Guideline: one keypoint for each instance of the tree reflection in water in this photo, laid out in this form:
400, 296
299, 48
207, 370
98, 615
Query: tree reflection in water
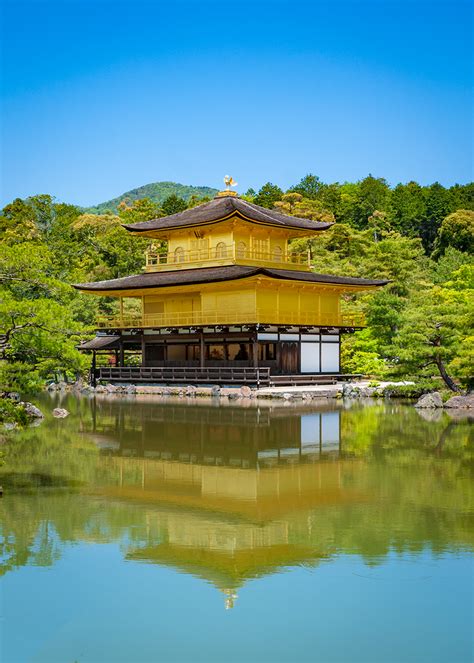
230, 493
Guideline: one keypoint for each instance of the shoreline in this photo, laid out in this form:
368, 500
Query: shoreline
339, 390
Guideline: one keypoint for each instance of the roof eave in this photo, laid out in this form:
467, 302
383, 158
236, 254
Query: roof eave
322, 225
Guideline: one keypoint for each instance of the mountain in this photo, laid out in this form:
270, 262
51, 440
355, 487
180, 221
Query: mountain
157, 191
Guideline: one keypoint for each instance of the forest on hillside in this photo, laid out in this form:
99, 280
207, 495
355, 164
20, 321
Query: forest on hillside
157, 192
421, 238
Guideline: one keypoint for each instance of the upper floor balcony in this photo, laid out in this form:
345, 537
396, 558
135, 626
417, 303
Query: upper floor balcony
227, 254
229, 317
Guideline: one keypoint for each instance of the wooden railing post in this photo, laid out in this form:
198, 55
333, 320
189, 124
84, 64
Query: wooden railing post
202, 350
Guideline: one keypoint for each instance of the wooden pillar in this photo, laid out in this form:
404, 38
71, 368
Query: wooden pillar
202, 350
143, 350
121, 311
121, 354
255, 350
93, 367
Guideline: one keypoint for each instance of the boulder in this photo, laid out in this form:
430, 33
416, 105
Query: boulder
33, 411
60, 413
432, 400
350, 390
461, 402
131, 389
190, 390
100, 389
245, 391
14, 396
10, 425
61, 386
110, 388
287, 396
216, 390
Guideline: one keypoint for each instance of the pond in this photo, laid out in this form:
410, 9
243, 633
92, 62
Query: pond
141, 530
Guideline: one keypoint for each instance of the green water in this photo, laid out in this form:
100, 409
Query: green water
142, 530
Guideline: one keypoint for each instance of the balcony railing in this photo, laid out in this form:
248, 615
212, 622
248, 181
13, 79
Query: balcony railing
185, 375
197, 318
226, 253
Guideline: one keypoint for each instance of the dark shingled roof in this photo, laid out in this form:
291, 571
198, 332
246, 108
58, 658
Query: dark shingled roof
222, 207
99, 343
216, 274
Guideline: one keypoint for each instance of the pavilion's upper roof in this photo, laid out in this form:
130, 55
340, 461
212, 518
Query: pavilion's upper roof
221, 208
218, 274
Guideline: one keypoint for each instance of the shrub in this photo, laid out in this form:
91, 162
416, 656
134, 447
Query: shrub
12, 413
411, 390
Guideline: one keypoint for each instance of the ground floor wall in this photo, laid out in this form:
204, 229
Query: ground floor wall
286, 352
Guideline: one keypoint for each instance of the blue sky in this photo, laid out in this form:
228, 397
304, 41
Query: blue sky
101, 96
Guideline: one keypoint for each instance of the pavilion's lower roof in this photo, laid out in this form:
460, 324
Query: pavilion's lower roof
204, 275
100, 343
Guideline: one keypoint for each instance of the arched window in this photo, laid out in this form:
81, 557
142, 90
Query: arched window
221, 250
277, 254
179, 254
241, 250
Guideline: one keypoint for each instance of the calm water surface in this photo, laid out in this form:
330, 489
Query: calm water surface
139, 530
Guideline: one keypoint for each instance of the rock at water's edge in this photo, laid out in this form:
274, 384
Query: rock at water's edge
33, 411
461, 402
432, 400
60, 412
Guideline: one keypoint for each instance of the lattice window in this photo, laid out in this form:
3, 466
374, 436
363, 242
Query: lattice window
241, 250
260, 248
179, 254
221, 250
200, 249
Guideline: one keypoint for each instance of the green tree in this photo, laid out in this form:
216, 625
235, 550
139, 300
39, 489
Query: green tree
462, 196
372, 195
439, 204
449, 262
407, 208
457, 231
173, 204
434, 328
295, 205
138, 211
194, 200
108, 250
268, 195
309, 186
38, 331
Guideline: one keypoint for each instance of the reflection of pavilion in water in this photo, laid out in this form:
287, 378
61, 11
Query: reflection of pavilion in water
234, 493
243, 437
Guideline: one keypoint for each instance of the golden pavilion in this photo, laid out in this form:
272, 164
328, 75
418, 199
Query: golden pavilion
228, 302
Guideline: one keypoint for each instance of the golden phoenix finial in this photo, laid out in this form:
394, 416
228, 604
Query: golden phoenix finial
229, 181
